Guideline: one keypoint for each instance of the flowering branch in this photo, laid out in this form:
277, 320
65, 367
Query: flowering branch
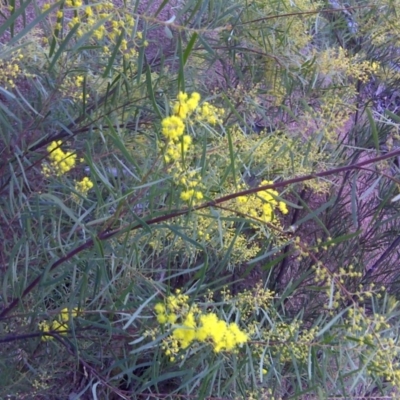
107, 234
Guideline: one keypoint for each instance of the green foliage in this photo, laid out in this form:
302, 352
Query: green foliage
199, 200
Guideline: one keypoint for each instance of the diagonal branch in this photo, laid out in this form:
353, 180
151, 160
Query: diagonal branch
108, 233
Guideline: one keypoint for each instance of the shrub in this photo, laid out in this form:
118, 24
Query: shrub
199, 200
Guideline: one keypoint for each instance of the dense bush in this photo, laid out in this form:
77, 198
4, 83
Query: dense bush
199, 199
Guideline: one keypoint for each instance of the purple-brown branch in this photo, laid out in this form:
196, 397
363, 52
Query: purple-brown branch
107, 234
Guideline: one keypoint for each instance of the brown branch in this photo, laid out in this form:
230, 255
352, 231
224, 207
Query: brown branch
107, 234
294, 14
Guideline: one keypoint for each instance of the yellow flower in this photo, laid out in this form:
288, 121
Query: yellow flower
79, 80
187, 195
283, 208
99, 33
187, 140
223, 337
172, 318
162, 318
84, 186
172, 127
187, 333
124, 44
181, 110
159, 308
182, 97
45, 327
196, 326
88, 11
64, 314
208, 325
59, 327
193, 102
60, 162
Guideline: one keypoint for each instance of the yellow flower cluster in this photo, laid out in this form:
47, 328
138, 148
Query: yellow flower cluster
60, 162
190, 194
178, 144
185, 110
262, 205
185, 105
84, 186
222, 336
334, 63
206, 112
287, 341
241, 247
174, 151
334, 114
190, 181
73, 3
297, 28
73, 87
59, 325
116, 21
190, 324
384, 27
249, 302
210, 114
334, 283
283, 149
374, 343
173, 127
300, 341
10, 70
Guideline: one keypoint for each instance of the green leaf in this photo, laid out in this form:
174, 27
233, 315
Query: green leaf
161, 7
374, 130
16, 13
189, 47
136, 314
63, 46
181, 72
332, 322
60, 203
151, 91
113, 55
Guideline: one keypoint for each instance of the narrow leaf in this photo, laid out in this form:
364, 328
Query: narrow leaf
374, 130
